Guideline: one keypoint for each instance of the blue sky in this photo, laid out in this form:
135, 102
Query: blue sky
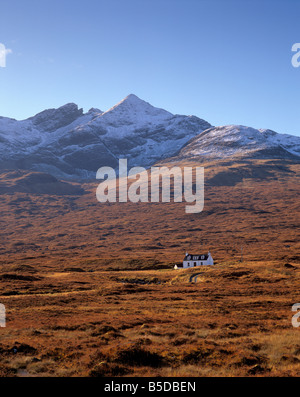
226, 61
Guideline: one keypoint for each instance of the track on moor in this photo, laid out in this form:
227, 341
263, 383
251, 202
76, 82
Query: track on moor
194, 276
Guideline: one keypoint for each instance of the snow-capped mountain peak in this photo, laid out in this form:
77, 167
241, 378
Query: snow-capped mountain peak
68, 143
134, 109
52, 119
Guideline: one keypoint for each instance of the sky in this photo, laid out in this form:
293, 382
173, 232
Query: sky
226, 61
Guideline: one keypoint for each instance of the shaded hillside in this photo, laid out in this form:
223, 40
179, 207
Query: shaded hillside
259, 211
36, 183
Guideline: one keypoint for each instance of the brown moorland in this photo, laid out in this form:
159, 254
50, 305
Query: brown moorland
90, 289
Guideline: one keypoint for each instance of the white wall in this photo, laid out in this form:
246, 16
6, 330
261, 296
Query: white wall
198, 263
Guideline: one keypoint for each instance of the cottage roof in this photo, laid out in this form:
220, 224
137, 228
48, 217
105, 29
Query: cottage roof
197, 257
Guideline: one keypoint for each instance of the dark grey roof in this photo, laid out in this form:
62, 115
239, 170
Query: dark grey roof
197, 257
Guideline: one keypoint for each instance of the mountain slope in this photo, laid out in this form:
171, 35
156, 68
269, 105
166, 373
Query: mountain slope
67, 143
236, 141
70, 144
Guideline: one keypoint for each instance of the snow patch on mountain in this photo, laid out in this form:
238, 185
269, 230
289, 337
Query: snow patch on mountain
237, 140
70, 144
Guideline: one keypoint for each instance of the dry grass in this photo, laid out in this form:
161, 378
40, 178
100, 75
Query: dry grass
90, 288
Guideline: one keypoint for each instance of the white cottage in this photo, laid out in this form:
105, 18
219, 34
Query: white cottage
197, 260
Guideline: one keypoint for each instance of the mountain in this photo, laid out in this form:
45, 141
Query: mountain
70, 144
37, 183
237, 141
